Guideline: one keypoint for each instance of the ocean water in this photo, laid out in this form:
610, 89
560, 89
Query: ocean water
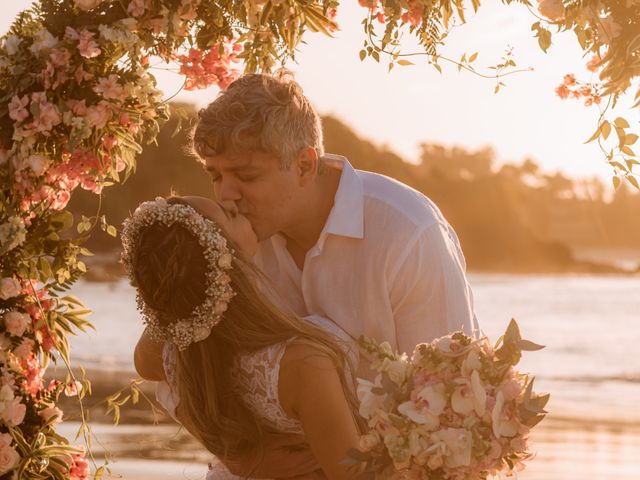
590, 365
590, 326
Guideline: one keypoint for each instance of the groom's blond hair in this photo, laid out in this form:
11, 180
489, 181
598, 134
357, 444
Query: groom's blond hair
259, 112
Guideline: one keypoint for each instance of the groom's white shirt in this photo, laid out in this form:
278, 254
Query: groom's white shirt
387, 265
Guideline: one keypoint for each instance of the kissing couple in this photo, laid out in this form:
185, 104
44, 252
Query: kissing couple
253, 302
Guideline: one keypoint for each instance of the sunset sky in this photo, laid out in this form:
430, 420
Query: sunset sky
416, 103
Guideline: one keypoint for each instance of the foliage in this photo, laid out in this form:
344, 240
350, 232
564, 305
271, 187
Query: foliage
77, 102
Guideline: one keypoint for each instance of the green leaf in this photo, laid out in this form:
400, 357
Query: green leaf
597, 133
616, 182
528, 346
621, 122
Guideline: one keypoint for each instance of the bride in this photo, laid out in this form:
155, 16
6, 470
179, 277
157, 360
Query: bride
237, 368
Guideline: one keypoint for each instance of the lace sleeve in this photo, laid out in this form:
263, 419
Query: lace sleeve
257, 376
167, 392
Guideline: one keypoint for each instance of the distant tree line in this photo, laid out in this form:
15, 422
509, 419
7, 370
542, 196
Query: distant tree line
509, 217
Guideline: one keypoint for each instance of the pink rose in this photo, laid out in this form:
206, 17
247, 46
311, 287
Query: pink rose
9, 288
9, 458
14, 412
16, 323
86, 5
52, 415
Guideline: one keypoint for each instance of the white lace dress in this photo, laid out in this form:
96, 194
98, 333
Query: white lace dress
256, 378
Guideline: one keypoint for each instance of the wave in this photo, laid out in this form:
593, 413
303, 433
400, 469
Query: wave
620, 378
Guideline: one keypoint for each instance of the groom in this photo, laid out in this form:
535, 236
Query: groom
368, 252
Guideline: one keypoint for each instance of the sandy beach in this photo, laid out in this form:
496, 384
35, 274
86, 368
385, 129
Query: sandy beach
565, 449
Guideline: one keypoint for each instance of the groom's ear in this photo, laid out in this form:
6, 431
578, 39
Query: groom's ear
305, 165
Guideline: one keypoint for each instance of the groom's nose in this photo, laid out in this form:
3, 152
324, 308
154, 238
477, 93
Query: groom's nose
227, 190
230, 207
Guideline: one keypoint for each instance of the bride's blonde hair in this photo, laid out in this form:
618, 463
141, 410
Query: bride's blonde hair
169, 269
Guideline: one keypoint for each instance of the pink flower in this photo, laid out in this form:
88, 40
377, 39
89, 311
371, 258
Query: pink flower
72, 389
16, 323
136, 8
98, 115
77, 107
13, 412
593, 64
110, 88
87, 47
60, 57
109, 141
9, 458
17, 108
79, 469
562, 91
9, 288
552, 9
51, 415
82, 75
61, 200
370, 4
47, 117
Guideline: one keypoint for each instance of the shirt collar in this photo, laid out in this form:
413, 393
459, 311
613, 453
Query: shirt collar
346, 218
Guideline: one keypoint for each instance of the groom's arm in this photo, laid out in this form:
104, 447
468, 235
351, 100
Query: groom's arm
147, 358
429, 293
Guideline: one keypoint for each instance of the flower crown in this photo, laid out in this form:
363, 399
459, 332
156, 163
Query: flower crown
197, 326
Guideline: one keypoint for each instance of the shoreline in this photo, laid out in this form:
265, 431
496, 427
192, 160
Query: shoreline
104, 266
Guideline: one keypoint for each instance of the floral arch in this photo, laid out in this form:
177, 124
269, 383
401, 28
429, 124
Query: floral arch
78, 101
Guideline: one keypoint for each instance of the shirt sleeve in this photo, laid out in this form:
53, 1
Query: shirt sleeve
429, 293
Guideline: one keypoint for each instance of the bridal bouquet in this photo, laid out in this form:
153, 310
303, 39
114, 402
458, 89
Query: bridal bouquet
456, 410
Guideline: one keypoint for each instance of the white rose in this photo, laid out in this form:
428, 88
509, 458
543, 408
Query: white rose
9, 288
16, 323
369, 401
37, 163
86, 5
396, 369
459, 442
